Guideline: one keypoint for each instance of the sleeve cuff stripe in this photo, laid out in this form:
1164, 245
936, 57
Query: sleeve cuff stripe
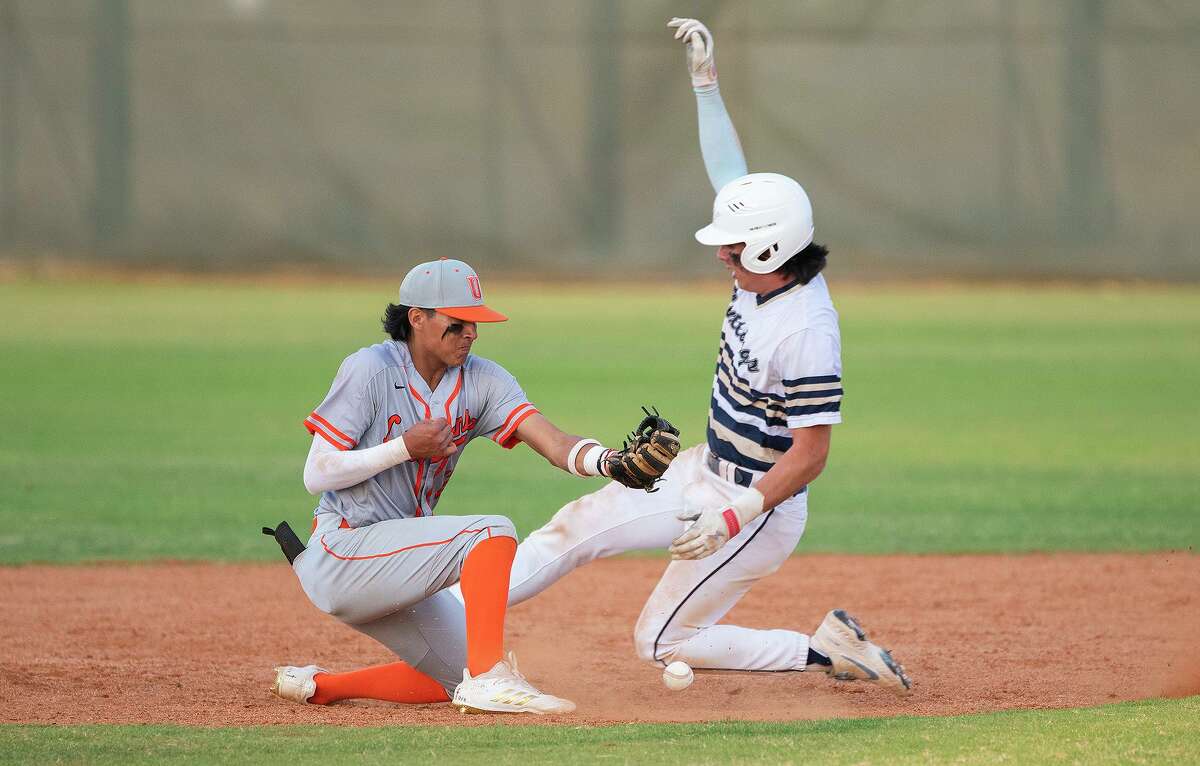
318, 430
813, 402
817, 394
507, 434
814, 408
508, 420
810, 380
333, 430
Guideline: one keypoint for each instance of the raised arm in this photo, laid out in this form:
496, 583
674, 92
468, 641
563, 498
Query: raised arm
719, 144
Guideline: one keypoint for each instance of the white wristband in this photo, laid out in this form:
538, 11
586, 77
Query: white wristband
574, 453
593, 461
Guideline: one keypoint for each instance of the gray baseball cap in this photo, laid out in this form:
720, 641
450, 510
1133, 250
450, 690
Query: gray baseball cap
452, 287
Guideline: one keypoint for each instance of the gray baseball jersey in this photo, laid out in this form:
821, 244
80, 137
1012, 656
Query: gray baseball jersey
378, 394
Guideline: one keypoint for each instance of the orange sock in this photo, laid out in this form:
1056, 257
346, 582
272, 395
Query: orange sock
484, 582
395, 682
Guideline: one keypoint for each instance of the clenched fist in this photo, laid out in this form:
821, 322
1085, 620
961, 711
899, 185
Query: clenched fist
430, 438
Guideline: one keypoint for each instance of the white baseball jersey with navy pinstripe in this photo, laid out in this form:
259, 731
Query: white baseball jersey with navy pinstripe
779, 367
378, 394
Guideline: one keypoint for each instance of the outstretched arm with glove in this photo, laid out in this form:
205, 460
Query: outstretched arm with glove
719, 144
639, 464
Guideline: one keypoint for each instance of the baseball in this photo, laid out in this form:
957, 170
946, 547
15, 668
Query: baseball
678, 676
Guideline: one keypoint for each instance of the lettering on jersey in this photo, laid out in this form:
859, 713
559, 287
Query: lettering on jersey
393, 421
439, 467
738, 325
462, 424
744, 360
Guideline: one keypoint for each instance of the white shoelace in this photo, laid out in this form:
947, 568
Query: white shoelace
516, 679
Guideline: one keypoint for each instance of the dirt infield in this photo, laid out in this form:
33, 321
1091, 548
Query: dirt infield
195, 643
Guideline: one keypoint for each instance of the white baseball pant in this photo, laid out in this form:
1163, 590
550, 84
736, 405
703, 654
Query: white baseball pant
679, 621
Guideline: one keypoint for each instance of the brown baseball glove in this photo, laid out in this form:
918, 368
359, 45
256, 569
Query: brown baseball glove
646, 454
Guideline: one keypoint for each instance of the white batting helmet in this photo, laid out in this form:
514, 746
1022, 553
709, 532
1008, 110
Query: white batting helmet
769, 212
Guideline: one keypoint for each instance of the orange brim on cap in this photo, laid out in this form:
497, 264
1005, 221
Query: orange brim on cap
473, 313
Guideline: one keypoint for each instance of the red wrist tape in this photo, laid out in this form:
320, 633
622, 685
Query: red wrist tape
731, 522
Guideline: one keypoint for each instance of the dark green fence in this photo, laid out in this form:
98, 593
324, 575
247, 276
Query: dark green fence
988, 138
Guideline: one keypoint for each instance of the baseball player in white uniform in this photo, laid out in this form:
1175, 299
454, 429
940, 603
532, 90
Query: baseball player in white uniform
733, 509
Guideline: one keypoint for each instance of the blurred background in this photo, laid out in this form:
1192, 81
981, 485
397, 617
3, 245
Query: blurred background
978, 148
974, 139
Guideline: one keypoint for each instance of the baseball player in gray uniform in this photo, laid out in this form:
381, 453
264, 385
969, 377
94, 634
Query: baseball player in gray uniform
733, 509
386, 440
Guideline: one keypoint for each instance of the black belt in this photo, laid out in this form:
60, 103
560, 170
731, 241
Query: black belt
730, 472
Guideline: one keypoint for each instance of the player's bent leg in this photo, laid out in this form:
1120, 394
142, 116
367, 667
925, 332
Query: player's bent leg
395, 682
430, 636
376, 579
612, 520
679, 619
484, 583
362, 575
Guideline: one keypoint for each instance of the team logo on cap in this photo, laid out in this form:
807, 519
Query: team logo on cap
473, 281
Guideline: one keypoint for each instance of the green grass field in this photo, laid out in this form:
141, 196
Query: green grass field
163, 421
147, 421
1155, 731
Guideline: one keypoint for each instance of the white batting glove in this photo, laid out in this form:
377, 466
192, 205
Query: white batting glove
713, 528
699, 47
708, 532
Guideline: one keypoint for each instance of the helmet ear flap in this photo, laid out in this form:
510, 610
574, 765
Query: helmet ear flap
768, 253
761, 259
753, 256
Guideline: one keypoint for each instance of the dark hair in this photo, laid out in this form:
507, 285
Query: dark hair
806, 264
395, 321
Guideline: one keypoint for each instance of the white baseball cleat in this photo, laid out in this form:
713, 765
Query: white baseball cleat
296, 684
844, 642
504, 690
